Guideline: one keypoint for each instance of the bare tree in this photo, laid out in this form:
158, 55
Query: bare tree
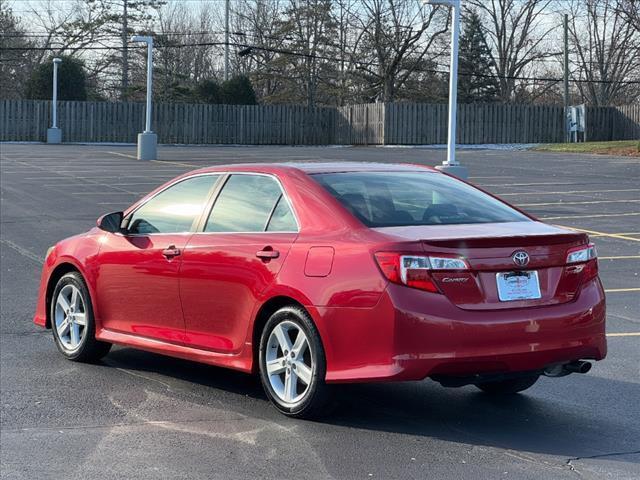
257, 24
179, 64
516, 36
630, 9
76, 29
606, 51
395, 39
16, 60
310, 29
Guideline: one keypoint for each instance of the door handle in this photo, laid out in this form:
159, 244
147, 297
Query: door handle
171, 252
267, 253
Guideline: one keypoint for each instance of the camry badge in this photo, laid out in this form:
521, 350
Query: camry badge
520, 258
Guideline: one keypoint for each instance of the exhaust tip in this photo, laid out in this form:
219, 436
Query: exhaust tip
562, 370
579, 366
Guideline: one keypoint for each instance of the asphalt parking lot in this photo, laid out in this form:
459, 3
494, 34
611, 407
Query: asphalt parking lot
140, 415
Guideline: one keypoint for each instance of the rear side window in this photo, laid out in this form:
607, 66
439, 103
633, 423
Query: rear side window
386, 199
250, 203
175, 209
282, 218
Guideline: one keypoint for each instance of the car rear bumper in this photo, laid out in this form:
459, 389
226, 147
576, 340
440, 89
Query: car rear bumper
412, 334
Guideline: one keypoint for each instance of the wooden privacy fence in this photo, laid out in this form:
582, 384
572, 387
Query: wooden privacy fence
366, 124
612, 123
28, 120
422, 124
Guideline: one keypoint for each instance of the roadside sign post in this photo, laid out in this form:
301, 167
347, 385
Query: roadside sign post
451, 165
54, 134
147, 140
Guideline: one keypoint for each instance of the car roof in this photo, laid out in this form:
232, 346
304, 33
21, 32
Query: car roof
312, 167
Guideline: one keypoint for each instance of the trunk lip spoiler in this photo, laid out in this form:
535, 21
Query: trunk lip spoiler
515, 241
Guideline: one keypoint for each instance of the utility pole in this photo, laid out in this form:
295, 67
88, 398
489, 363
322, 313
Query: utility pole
566, 77
125, 49
226, 40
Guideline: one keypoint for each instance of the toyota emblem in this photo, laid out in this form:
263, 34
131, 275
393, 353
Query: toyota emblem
520, 258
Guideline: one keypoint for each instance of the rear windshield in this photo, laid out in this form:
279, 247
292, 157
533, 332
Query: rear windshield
388, 199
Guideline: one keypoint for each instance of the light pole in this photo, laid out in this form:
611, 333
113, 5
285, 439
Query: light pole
54, 134
147, 140
451, 165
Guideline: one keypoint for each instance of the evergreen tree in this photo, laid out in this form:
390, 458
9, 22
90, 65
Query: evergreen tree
208, 91
475, 63
239, 91
72, 80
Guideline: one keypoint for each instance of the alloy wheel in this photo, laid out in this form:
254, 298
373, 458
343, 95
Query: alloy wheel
289, 362
70, 317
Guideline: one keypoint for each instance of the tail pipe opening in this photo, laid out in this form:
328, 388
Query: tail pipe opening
579, 366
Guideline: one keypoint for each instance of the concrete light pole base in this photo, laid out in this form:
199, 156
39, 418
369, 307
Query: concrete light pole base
54, 135
147, 146
459, 171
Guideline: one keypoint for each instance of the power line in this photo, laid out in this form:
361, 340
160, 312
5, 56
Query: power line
249, 48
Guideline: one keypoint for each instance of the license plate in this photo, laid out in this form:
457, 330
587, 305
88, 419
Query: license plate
518, 286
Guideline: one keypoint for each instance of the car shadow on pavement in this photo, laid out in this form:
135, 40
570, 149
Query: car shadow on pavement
225, 379
555, 417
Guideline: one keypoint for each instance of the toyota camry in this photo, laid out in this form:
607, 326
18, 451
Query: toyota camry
322, 273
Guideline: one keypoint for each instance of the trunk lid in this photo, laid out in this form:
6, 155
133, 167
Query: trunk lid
489, 249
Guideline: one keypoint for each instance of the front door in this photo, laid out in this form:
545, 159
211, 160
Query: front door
233, 260
138, 278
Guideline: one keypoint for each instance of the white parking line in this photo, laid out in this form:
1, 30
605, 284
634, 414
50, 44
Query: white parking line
126, 155
575, 203
23, 251
106, 185
569, 192
592, 216
528, 184
104, 193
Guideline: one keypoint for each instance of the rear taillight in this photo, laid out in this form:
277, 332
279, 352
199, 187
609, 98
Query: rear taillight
584, 260
582, 254
413, 270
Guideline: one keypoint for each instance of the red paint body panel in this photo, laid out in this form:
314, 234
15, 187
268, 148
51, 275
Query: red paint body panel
412, 334
319, 261
202, 304
221, 282
137, 288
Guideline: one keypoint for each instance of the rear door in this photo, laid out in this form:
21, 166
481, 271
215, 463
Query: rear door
233, 259
137, 278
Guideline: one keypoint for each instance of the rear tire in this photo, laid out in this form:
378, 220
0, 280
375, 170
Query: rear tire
508, 387
72, 321
292, 364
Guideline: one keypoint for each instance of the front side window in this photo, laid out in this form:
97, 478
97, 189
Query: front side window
387, 199
250, 203
175, 209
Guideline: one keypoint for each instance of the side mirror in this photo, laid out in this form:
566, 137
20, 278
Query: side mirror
111, 222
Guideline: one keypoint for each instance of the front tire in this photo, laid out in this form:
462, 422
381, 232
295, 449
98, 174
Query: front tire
508, 387
72, 321
292, 364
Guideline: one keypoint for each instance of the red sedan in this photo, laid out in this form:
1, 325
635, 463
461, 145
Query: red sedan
321, 273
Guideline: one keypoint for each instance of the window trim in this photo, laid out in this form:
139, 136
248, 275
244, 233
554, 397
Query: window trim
199, 230
127, 219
